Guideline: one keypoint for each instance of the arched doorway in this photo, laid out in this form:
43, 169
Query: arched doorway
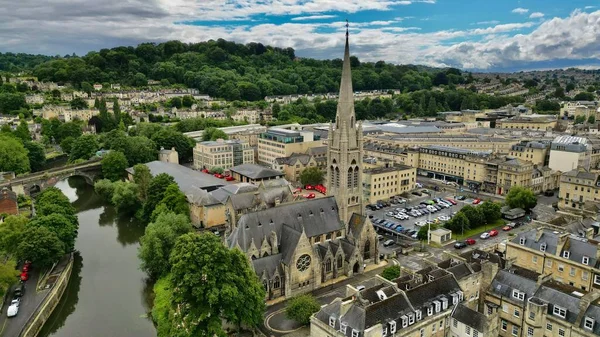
355, 268
367, 251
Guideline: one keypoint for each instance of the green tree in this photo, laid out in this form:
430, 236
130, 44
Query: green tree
114, 165
156, 192
22, 131
66, 144
142, 177
584, 96
87, 88
41, 246
70, 129
36, 154
187, 101
13, 155
173, 201
170, 138
54, 196
301, 307
459, 223
474, 214
79, 103
311, 176
8, 274
213, 134
423, 233
84, 147
391, 272
65, 229
117, 112
11, 231
230, 289
521, 197
158, 241
125, 197
491, 211
591, 119
579, 119
105, 188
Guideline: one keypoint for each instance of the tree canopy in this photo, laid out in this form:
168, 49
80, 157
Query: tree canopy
311, 176
13, 155
521, 197
301, 307
114, 165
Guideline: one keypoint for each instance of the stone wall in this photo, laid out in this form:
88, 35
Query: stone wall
43, 312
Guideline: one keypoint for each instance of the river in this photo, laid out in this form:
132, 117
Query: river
108, 295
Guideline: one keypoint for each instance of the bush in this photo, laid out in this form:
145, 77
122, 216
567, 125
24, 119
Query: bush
300, 308
391, 273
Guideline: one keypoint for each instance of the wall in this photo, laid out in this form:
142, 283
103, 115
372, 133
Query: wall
564, 161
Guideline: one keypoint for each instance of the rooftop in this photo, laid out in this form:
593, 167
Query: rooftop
255, 171
378, 170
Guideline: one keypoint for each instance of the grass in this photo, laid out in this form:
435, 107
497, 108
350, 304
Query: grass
477, 230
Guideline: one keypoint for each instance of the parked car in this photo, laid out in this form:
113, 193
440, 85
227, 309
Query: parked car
13, 309
229, 178
19, 290
419, 185
310, 196
460, 245
549, 193
205, 170
476, 201
470, 241
417, 193
506, 228
493, 232
460, 197
24, 276
388, 243
380, 237
485, 235
452, 201
309, 187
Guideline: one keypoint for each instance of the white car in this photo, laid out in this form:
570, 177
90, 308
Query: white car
13, 309
420, 223
485, 235
443, 218
419, 185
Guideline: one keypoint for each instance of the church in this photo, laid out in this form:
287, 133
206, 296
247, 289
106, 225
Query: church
297, 247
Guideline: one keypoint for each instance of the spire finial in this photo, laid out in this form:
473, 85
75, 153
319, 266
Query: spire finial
347, 25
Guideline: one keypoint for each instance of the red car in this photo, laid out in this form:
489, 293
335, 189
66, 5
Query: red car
476, 201
452, 201
309, 187
493, 232
205, 171
217, 175
298, 190
310, 196
321, 189
24, 276
470, 241
229, 178
25, 268
506, 228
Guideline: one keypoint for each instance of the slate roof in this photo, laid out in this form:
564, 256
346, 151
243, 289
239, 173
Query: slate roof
559, 298
460, 271
581, 174
269, 265
507, 280
254, 171
291, 160
593, 311
469, 317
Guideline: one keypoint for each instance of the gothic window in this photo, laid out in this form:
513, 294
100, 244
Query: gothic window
303, 262
328, 266
265, 254
340, 262
337, 177
350, 177
265, 285
356, 182
367, 254
276, 283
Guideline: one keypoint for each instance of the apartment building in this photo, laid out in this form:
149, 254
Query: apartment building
569, 152
469, 322
535, 151
463, 141
251, 116
569, 108
577, 187
513, 172
293, 165
279, 143
222, 153
382, 183
528, 123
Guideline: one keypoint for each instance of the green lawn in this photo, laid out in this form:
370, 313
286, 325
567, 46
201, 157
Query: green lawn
478, 230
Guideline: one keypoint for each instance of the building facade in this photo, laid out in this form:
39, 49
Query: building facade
279, 143
222, 153
576, 188
293, 165
383, 183
568, 153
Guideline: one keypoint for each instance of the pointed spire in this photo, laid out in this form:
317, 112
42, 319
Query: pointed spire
345, 110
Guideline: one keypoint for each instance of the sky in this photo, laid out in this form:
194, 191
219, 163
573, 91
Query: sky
479, 35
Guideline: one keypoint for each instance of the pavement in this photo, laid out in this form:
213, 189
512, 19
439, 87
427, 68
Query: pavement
11, 327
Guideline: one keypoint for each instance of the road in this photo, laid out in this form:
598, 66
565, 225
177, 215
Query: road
11, 327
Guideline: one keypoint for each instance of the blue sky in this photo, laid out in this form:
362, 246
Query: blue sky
484, 35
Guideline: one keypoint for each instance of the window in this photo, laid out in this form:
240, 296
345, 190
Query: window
504, 325
572, 271
531, 315
515, 330
560, 312
585, 275
534, 259
543, 247
529, 331
517, 313
422, 332
522, 241
475, 333
585, 260
354, 333
332, 322
566, 254
588, 323
596, 279
518, 295
433, 326
343, 327
418, 313
549, 263
468, 330
548, 326
411, 319
505, 308
393, 327
561, 268
561, 332
429, 311
276, 282
384, 333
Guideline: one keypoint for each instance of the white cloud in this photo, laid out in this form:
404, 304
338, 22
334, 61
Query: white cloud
520, 10
313, 17
491, 22
502, 28
536, 15
589, 7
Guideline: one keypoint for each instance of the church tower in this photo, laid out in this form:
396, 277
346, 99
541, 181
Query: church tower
345, 148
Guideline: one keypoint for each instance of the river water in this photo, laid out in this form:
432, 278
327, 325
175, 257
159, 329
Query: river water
108, 295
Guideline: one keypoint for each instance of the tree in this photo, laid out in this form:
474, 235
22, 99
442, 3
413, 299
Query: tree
521, 197
41, 246
36, 154
559, 92
173, 201
117, 112
311, 176
474, 214
229, 290
591, 119
423, 233
125, 197
105, 188
13, 155
391, 272
169, 138
8, 273
491, 211
79, 103
158, 241
301, 307
87, 88
213, 134
142, 177
187, 101
84, 148
11, 231
459, 223
584, 96
570, 86
54, 196
66, 144
114, 165
22, 131
156, 192
579, 119
65, 229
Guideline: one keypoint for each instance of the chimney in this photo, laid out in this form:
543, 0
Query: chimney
589, 233
562, 242
543, 278
277, 201
585, 302
539, 233
346, 306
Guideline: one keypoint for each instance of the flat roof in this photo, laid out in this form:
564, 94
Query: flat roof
397, 167
255, 171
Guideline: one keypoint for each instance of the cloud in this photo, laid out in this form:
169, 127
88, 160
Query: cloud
491, 22
502, 28
520, 10
589, 7
536, 15
313, 17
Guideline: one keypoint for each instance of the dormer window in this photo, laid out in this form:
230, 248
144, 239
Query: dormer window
559, 311
354, 333
332, 322
444, 303
585, 260
522, 241
384, 332
393, 327
419, 315
543, 247
404, 321
454, 299
343, 327
438, 306
429, 310
460, 295
411, 319
566, 254
518, 295
588, 323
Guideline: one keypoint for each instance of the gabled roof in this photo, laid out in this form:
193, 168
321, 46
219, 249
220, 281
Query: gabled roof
254, 171
508, 280
469, 317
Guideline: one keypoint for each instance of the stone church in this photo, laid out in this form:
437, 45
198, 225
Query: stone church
297, 247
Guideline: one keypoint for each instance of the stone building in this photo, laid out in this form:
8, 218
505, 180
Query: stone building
293, 165
8, 202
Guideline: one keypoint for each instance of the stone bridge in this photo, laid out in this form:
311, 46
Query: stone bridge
38, 181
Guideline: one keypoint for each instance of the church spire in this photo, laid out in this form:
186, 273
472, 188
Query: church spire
345, 111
